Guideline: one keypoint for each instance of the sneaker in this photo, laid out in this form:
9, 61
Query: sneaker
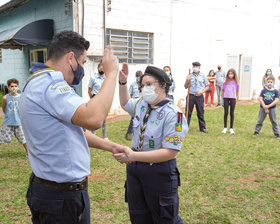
255, 134
128, 136
224, 130
277, 136
212, 105
231, 131
204, 130
218, 105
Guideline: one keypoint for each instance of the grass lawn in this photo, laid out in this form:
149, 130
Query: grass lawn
224, 178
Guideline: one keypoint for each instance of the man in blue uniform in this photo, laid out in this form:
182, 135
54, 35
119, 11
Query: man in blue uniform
54, 120
198, 85
159, 131
94, 87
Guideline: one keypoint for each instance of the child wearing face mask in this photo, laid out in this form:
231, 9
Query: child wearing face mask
11, 124
267, 74
229, 93
94, 87
268, 98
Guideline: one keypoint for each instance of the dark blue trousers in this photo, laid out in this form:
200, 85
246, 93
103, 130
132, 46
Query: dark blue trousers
53, 206
152, 193
198, 101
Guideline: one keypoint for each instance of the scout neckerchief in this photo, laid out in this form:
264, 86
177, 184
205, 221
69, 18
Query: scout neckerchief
36, 74
146, 117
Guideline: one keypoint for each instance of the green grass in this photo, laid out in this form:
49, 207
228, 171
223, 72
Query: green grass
224, 178
1, 96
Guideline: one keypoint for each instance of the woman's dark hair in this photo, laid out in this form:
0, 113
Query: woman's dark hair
161, 82
209, 74
139, 73
67, 41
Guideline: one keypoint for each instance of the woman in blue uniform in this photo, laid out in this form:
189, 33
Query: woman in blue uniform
159, 131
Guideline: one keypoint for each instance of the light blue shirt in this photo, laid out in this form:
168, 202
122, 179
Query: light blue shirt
95, 83
220, 77
12, 111
199, 84
58, 150
163, 130
171, 88
134, 90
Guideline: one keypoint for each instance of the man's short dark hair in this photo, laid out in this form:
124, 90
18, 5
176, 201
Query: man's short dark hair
10, 81
67, 41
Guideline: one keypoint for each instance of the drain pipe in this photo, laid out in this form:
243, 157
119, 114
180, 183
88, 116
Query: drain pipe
104, 24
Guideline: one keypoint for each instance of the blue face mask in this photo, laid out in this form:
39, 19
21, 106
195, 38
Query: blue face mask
268, 73
138, 79
78, 74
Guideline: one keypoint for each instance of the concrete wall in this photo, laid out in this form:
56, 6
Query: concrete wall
15, 63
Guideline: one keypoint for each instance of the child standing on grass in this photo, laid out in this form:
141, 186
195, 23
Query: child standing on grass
11, 124
268, 98
229, 93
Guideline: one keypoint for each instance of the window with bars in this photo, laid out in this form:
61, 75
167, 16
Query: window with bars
0, 55
130, 46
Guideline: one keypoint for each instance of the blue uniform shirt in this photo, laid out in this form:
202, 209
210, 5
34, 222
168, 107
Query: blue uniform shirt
134, 90
95, 83
199, 84
171, 88
12, 111
58, 150
166, 127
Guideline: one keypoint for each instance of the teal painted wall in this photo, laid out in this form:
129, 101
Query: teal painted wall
15, 63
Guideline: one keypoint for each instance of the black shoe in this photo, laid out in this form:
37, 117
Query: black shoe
255, 134
128, 137
204, 130
277, 136
218, 105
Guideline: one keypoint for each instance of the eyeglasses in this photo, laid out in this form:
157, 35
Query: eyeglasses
148, 84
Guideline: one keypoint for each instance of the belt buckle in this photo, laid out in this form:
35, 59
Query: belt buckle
79, 186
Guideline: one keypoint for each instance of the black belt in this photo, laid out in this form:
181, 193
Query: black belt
68, 186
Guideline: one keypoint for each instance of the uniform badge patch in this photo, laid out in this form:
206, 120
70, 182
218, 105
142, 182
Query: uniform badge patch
64, 89
178, 127
160, 115
157, 122
142, 108
151, 143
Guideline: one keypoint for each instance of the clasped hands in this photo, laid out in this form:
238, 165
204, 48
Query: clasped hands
123, 154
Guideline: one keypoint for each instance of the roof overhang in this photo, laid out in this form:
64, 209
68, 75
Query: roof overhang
11, 5
39, 32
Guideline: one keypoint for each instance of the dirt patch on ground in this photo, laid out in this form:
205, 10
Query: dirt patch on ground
256, 177
94, 177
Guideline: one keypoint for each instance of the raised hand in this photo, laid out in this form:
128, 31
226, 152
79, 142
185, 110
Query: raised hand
110, 62
123, 74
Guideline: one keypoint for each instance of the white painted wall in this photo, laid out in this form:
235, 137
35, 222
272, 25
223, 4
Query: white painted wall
187, 31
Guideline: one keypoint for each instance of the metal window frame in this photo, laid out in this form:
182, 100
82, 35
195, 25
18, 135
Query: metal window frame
131, 52
33, 56
1, 56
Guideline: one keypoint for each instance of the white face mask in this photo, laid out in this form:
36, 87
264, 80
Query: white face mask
148, 93
13, 90
196, 70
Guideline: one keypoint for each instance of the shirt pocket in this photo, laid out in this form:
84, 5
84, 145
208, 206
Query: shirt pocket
152, 138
